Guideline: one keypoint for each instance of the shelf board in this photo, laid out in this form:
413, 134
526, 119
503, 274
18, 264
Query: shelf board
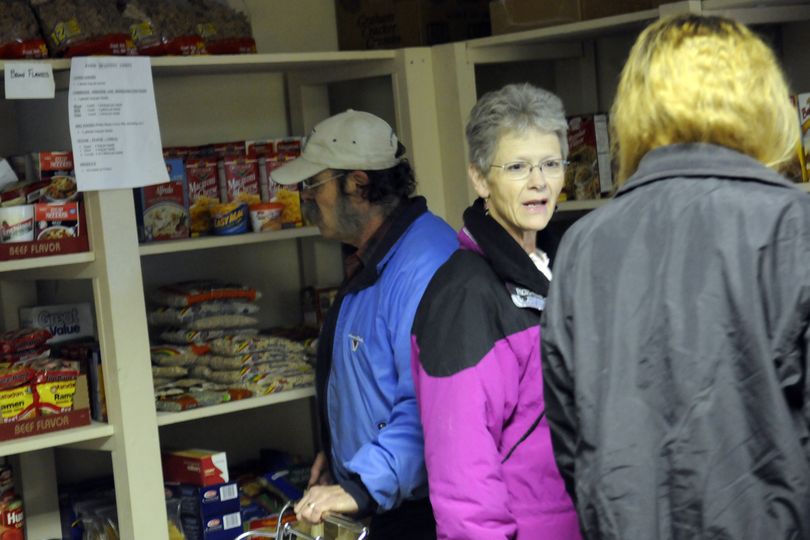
209, 242
570, 31
46, 262
91, 432
575, 206
766, 14
167, 418
247, 63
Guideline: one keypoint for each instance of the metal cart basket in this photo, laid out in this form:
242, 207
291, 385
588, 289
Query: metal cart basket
347, 529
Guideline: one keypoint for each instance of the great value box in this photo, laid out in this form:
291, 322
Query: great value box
64, 321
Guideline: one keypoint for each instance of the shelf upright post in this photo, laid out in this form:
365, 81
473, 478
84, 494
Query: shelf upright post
455, 94
417, 123
121, 319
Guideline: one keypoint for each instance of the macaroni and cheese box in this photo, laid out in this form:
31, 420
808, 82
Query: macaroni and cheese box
162, 209
203, 192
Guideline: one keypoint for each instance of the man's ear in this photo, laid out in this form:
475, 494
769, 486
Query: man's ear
355, 179
479, 181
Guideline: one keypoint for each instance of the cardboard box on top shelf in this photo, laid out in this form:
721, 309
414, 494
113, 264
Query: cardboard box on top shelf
393, 24
517, 15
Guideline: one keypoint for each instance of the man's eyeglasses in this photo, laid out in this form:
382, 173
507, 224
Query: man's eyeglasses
311, 183
520, 170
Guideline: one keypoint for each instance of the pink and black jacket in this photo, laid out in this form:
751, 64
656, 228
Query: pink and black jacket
476, 363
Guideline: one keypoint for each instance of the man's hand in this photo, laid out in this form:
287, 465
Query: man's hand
318, 501
319, 474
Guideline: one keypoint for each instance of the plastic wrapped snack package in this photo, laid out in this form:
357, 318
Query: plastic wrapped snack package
174, 522
19, 31
188, 293
164, 27
224, 29
206, 315
83, 27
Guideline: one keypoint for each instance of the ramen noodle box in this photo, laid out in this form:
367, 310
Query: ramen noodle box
162, 209
804, 119
589, 169
17, 223
241, 179
56, 221
203, 192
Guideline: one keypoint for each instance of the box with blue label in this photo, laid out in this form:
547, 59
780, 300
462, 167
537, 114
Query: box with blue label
205, 501
221, 527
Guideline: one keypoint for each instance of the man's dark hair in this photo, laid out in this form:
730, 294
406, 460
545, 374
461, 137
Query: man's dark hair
387, 187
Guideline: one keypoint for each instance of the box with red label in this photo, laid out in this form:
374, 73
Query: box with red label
804, 124
203, 192
240, 176
288, 195
588, 173
288, 148
195, 466
50, 164
161, 210
56, 221
58, 421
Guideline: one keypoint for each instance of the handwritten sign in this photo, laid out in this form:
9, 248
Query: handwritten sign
29, 80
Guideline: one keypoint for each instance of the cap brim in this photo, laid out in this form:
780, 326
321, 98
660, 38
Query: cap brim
296, 171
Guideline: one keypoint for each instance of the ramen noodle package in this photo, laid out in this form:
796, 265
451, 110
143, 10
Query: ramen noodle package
203, 192
162, 209
83, 27
23, 339
161, 27
188, 293
19, 32
225, 30
56, 221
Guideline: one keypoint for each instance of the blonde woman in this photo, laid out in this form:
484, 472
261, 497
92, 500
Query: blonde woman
677, 332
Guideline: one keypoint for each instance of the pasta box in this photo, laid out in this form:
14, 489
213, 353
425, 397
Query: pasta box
195, 466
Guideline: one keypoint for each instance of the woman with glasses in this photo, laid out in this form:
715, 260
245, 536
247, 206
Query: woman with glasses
475, 339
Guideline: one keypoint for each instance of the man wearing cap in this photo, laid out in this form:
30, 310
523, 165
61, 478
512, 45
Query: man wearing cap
357, 188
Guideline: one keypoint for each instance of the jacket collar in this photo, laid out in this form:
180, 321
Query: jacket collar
699, 160
402, 218
509, 261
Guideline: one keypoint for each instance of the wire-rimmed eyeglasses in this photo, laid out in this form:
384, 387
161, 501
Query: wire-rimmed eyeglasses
310, 182
520, 170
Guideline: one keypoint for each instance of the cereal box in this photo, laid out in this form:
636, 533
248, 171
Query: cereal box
589, 170
65, 322
162, 209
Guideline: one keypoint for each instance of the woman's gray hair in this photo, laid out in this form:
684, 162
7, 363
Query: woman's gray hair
514, 108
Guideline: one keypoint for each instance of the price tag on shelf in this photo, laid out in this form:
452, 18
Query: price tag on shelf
29, 80
113, 123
